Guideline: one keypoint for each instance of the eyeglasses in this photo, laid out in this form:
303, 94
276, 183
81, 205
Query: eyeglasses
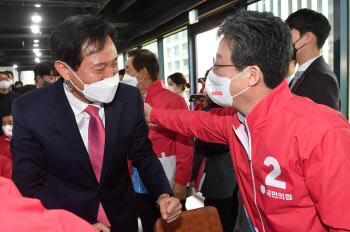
217, 66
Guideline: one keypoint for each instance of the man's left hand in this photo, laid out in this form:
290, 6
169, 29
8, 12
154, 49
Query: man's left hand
170, 208
179, 191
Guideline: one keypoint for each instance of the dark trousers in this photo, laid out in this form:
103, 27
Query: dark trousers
227, 209
147, 210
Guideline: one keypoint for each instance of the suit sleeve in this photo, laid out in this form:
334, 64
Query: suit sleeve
184, 152
207, 126
326, 177
29, 164
145, 160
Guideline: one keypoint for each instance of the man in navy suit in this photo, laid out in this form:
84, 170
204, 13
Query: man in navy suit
72, 138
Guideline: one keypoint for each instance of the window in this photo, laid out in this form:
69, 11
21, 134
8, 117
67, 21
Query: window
185, 62
185, 47
170, 66
27, 77
283, 8
169, 52
121, 62
177, 65
152, 47
177, 50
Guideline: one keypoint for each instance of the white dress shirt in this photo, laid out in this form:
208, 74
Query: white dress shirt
303, 67
81, 117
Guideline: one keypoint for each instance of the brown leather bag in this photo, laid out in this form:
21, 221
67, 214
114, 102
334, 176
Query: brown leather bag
204, 219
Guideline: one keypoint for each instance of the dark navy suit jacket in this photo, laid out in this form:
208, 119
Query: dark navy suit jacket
51, 163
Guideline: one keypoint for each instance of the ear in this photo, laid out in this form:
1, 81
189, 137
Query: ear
62, 69
310, 37
144, 72
255, 76
38, 78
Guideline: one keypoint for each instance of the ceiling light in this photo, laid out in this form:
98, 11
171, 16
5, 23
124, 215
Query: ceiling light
35, 45
38, 54
37, 60
36, 41
35, 50
15, 66
36, 18
37, 5
35, 29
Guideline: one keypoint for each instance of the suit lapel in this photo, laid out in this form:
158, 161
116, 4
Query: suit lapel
113, 113
63, 117
312, 66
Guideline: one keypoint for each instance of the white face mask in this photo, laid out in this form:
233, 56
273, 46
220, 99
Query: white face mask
101, 91
7, 129
218, 88
5, 84
130, 80
171, 88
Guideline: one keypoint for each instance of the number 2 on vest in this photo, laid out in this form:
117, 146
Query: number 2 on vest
271, 177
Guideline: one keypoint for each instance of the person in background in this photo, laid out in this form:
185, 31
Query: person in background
12, 78
6, 95
18, 214
5, 152
177, 83
44, 74
121, 74
202, 80
314, 78
18, 84
290, 155
174, 150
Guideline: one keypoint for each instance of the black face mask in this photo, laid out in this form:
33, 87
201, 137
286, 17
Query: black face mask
46, 83
294, 56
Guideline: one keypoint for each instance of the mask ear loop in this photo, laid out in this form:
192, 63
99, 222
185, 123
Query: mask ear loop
70, 89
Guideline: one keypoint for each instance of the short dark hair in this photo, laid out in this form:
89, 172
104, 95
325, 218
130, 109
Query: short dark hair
122, 72
67, 40
5, 115
259, 39
179, 79
144, 58
305, 20
18, 82
9, 72
4, 73
43, 68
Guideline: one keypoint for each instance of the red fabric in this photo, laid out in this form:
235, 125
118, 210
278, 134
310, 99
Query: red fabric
5, 146
18, 214
96, 151
296, 147
198, 106
165, 141
5, 166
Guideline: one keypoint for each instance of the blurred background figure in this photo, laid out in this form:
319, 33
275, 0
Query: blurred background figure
18, 84
121, 74
201, 80
44, 74
6, 95
5, 152
177, 83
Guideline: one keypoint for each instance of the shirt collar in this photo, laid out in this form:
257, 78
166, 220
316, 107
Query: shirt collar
241, 117
303, 67
78, 106
290, 78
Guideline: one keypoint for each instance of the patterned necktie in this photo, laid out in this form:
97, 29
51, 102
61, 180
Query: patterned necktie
96, 151
297, 75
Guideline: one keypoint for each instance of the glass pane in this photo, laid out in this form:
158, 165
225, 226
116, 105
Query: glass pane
121, 62
207, 44
175, 52
283, 8
152, 47
127, 55
27, 77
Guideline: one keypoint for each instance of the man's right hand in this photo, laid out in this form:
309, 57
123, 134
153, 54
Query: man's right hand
147, 109
101, 227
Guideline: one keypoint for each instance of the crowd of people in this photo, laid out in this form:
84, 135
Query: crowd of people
103, 146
